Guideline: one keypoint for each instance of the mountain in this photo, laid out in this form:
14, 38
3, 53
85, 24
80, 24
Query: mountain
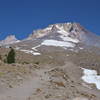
9, 40
59, 62
62, 35
68, 30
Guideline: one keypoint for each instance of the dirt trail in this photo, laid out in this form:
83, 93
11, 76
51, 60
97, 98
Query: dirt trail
25, 90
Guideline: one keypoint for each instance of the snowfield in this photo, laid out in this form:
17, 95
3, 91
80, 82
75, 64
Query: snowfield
61, 30
57, 43
65, 38
35, 48
31, 52
90, 76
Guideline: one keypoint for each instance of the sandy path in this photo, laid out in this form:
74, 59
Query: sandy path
25, 90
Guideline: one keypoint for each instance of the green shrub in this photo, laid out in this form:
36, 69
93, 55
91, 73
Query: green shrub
37, 63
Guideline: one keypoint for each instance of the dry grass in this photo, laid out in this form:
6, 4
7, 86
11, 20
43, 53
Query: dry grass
61, 84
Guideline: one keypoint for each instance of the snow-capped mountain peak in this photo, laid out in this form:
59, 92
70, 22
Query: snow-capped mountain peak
71, 29
62, 32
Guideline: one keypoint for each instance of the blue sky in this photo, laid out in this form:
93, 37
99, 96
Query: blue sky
21, 17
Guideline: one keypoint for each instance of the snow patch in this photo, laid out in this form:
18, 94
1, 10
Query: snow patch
48, 29
57, 43
81, 48
36, 53
17, 41
12, 42
90, 76
62, 31
30, 51
17, 48
66, 38
35, 48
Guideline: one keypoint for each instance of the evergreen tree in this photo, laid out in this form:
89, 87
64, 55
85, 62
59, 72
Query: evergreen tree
0, 57
11, 56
